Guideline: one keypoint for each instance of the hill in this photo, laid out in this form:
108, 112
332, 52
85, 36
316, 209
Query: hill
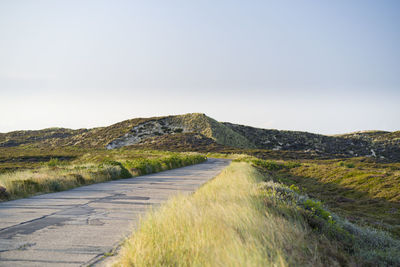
188, 123
377, 144
198, 132
355, 175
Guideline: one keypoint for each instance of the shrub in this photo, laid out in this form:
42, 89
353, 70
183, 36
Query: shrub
27, 186
294, 188
292, 164
372, 247
55, 186
123, 173
53, 162
346, 164
315, 207
78, 178
3, 193
350, 165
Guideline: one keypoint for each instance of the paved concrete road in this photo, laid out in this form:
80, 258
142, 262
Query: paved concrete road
76, 227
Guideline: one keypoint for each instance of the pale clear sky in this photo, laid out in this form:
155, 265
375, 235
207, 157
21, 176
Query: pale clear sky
319, 66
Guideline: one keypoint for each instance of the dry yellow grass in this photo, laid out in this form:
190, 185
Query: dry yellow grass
225, 223
59, 176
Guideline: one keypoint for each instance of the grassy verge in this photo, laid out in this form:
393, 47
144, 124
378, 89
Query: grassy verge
238, 219
56, 175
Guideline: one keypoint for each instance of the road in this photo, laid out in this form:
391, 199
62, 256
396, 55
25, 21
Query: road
76, 227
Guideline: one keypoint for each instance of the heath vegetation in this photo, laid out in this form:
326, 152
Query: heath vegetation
244, 218
91, 167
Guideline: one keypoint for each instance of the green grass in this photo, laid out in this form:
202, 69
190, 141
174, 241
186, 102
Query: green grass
56, 138
242, 218
366, 193
225, 223
22, 157
200, 123
92, 167
360, 246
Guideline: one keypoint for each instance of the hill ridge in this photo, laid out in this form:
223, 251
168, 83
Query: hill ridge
201, 129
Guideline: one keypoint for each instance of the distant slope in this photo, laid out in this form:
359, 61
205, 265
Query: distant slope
200, 123
128, 132
188, 123
180, 142
372, 143
59, 137
17, 138
196, 131
372, 134
375, 136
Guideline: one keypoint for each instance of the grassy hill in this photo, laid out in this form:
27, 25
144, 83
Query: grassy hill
377, 144
200, 123
155, 132
61, 137
283, 222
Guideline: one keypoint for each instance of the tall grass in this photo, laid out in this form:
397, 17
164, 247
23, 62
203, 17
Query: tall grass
52, 179
226, 223
58, 176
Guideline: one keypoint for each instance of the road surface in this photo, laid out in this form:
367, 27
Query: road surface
76, 227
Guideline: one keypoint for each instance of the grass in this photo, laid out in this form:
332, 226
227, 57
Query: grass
94, 167
359, 246
180, 142
237, 219
54, 138
376, 180
200, 123
22, 157
365, 193
60, 138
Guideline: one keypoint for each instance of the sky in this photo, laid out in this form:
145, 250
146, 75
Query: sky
310, 65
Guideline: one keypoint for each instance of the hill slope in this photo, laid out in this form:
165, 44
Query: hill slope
188, 123
196, 131
60, 137
373, 143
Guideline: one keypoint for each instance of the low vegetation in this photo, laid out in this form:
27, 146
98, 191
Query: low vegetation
61, 137
243, 218
180, 142
362, 190
356, 245
366, 193
57, 175
291, 198
159, 133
